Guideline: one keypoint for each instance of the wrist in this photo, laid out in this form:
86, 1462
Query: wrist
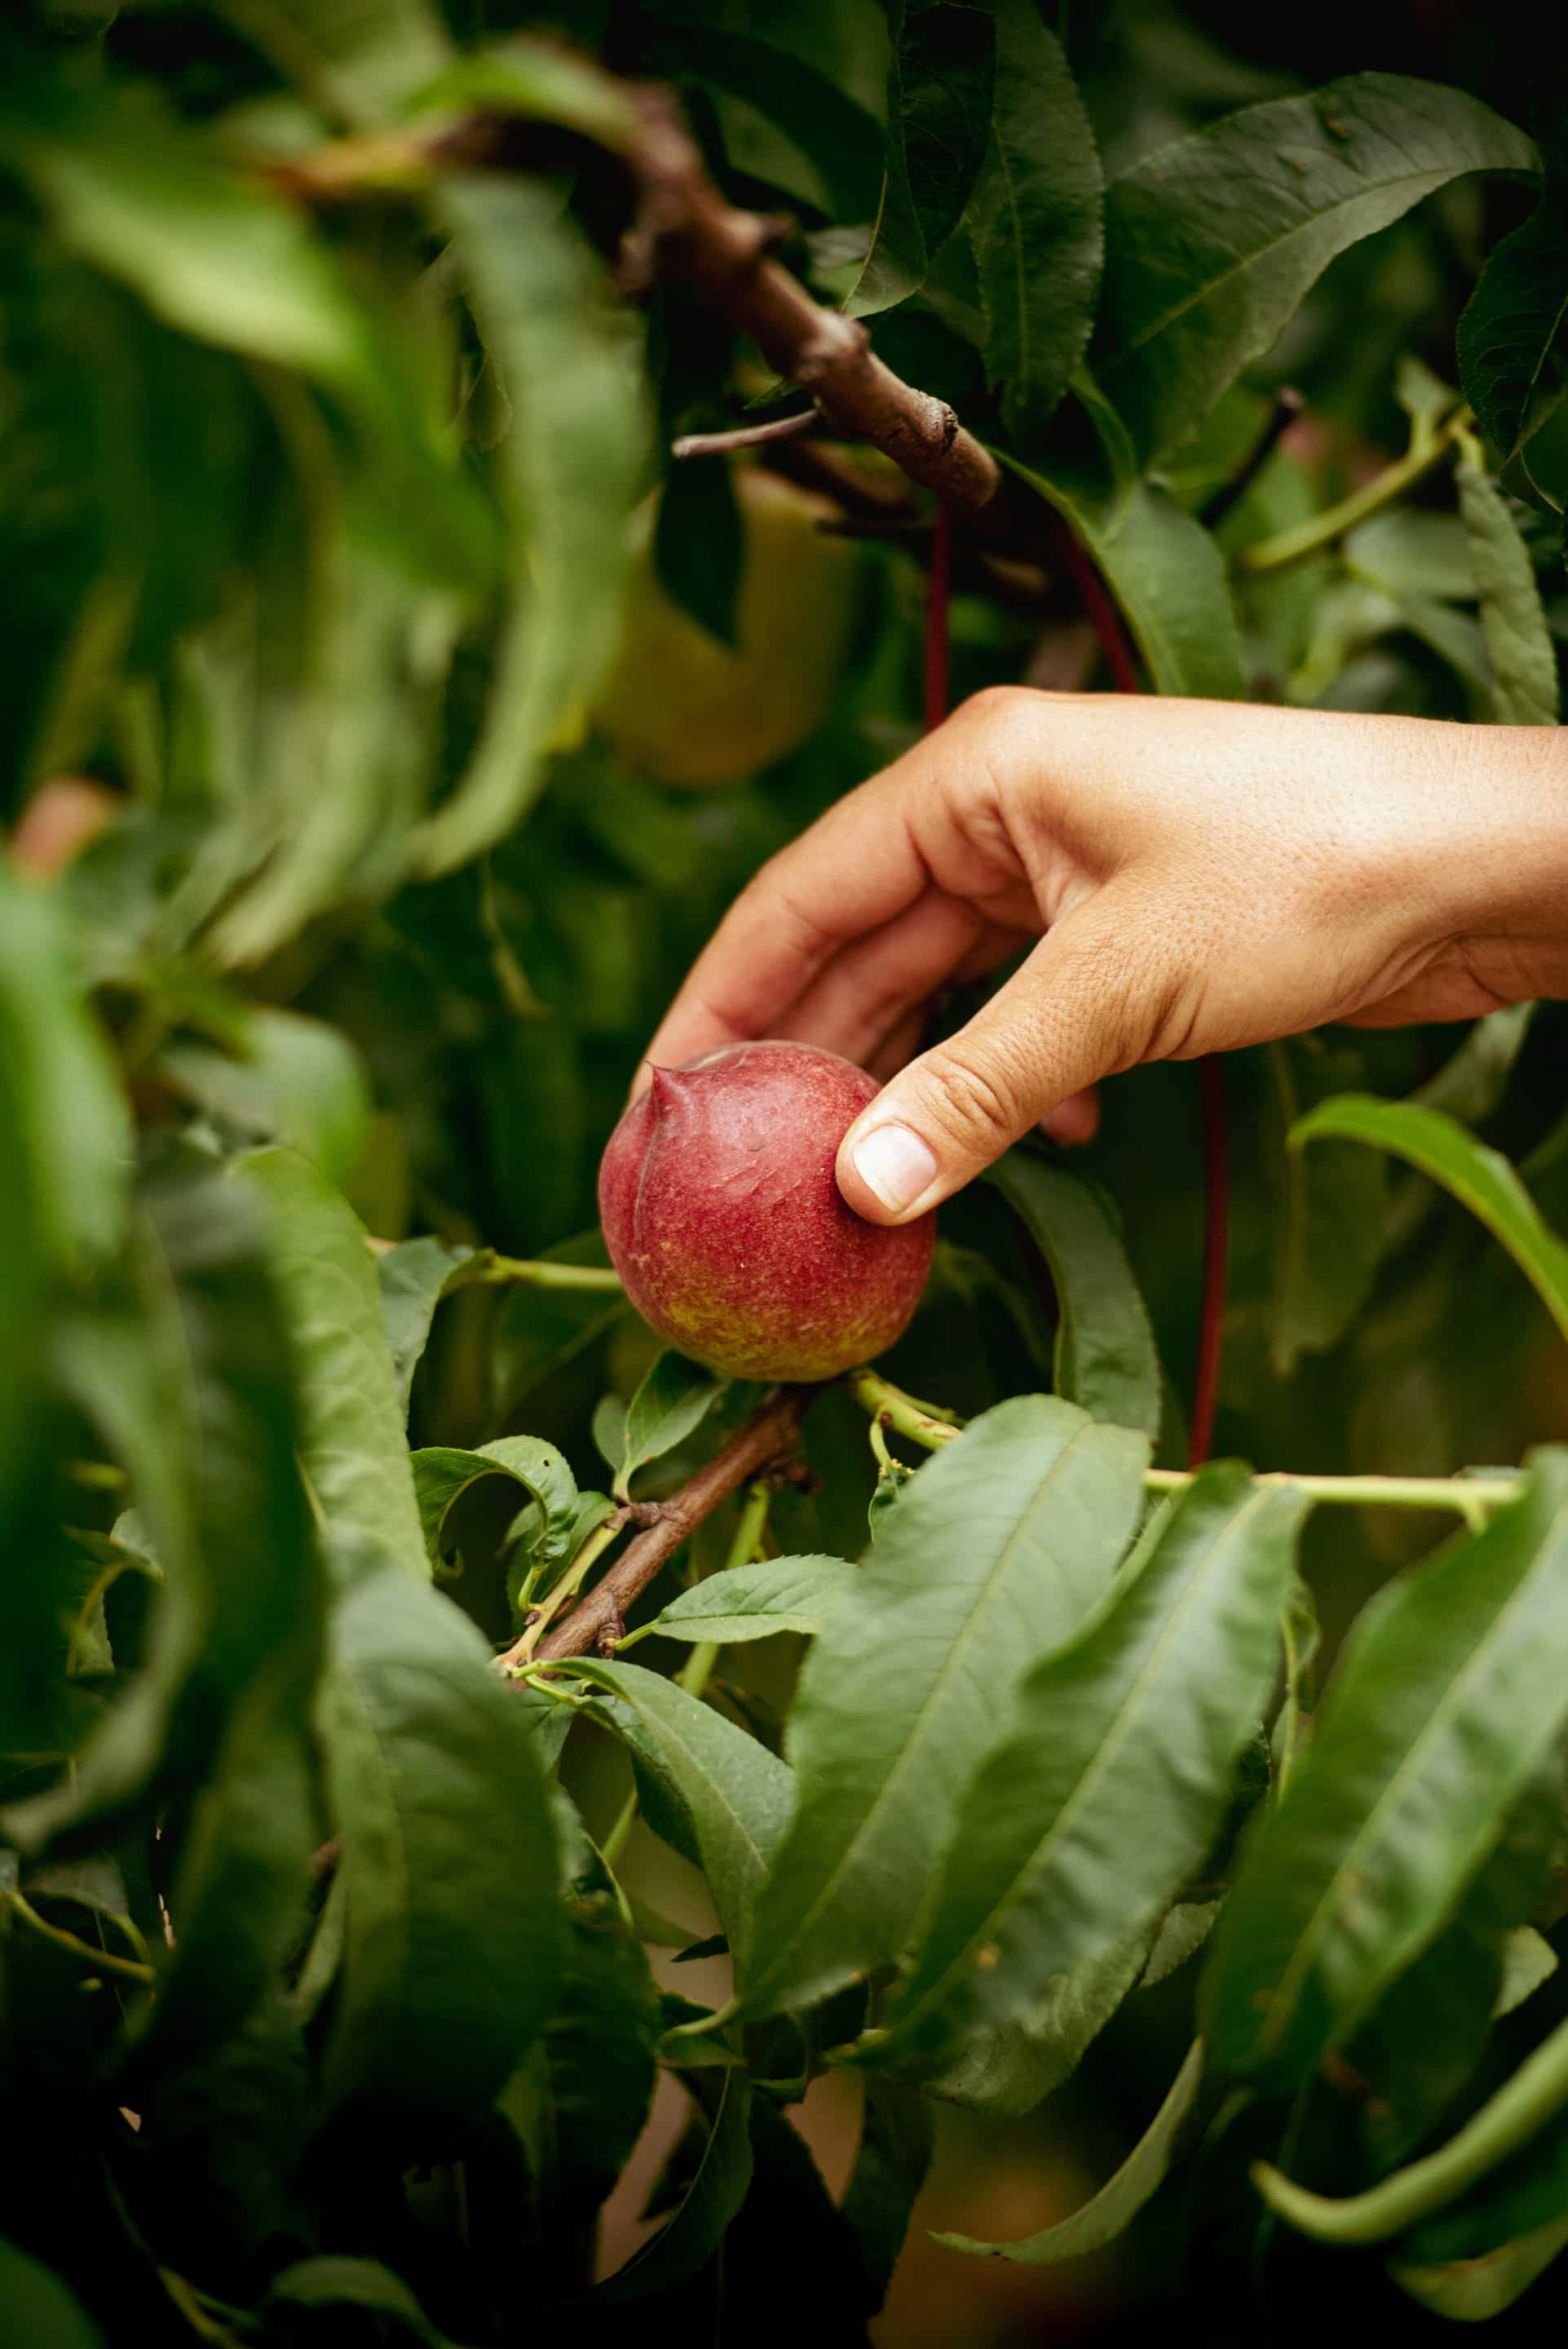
1494, 863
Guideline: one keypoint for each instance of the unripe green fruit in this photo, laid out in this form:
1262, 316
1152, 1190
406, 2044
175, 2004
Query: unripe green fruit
723, 1218
696, 712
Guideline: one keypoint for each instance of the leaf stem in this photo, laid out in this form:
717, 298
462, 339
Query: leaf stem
1463, 1494
769, 1437
923, 1423
694, 1674
520, 1652
1426, 452
1468, 1496
1521, 2106
137, 1970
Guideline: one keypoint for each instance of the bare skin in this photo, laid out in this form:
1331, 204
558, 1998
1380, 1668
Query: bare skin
1195, 876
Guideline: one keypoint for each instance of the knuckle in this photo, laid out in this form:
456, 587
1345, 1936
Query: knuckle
974, 1106
995, 704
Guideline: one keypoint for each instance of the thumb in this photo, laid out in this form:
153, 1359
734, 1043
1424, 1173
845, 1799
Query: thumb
1086, 1003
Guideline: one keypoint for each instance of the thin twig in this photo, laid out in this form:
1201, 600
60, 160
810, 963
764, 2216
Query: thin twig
767, 1437
747, 436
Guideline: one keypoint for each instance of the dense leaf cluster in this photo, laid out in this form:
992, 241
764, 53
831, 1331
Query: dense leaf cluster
342, 1968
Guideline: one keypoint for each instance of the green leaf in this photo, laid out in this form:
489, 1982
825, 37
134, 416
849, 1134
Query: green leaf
540, 1331
732, 1794
1481, 1180
1407, 552
1413, 2056
41, 2309
1035, 220
71, 1126
188, 1373
65, 1153
343, 780
673, 1399
441, 1474
571, 466
1094, 1808
815, 2288
1107, 2213
598, 2051
1445, 1700
1168, 581
700, 545
1468, 2292
942, 69
1104, 1355
1528, 1961
840, 141
1183, 1931
354, 1455
995, 1554
1523, 658
755, 1602
1512, 340
1471, 1084
413, 1279
1212, 242
1520, 2110
332, 2280
452, 1944
1327, 1227
898, 2138
686, 2244
540, 84
357, 62
1010, 2067
291, 1080
207, 247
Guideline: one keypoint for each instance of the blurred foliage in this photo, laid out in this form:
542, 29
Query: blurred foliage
390, 723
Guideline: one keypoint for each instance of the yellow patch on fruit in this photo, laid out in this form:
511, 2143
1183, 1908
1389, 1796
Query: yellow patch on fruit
695, 712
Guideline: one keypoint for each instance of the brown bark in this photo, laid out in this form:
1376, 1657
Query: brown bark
767, 1440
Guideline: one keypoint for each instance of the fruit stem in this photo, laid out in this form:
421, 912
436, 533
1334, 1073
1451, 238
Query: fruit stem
923, 1423
539, 1272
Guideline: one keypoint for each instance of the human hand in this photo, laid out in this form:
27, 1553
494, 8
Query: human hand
1199, 875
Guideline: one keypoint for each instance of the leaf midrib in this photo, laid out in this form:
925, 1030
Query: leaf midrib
1116, 1734
921, 1721
1263, 253
1283, 2002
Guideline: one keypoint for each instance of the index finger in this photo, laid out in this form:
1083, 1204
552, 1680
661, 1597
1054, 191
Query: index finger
856, 868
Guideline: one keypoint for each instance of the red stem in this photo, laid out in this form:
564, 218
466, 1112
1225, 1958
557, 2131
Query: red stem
938, 597
1216, 1241
1106, 621
1101, 612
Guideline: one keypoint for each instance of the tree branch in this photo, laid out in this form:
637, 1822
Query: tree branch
686, 231
766, 1439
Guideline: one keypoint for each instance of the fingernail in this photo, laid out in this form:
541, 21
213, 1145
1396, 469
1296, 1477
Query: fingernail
894, 1162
